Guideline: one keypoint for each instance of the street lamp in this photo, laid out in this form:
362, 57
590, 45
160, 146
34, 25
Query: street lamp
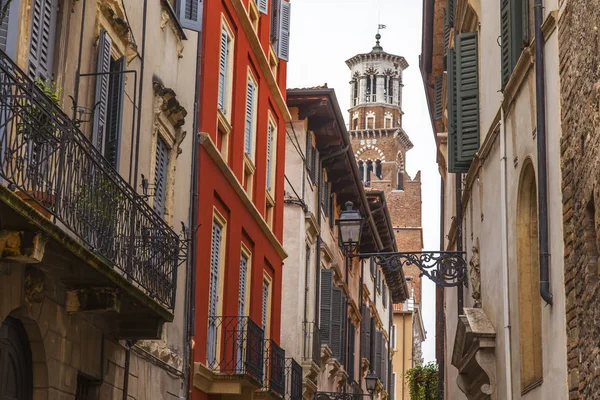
445, 268
371, 383
350, 229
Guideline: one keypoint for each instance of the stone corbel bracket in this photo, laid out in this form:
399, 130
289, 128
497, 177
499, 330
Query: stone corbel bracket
474, 354
326, 354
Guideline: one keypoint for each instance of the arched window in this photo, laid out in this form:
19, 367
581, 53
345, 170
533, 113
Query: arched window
361, 169
16, 370
400, 180
354, 92
378, 169
369, 171
530, 310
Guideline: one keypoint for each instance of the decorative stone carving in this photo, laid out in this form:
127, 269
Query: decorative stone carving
475, 275
474, 354
111, 16
35, 286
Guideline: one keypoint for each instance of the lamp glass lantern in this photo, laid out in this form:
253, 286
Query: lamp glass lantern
350, 227
371, 382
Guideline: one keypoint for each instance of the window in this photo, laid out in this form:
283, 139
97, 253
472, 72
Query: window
368, 171
253, 14
463, 102
312, 158
390, 90
271, 154
393, 335
370, 122
43, 34
263, 6
514, 27
355, 123
400, 180
378, 171
371, 95
280, 28
243, 292
250, 123
388, 121
217, 245
225, 69
530, 307
190, 13
160, 176
384, 296
354, 92
365, 333
110, 89
8, 30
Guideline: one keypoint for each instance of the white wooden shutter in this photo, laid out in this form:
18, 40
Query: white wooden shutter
102, 86
269, 155
190, 14
160, 176
215, 258
242, 288
43, 33
249, 117
263, 6
283, 43
223, 69
265, 299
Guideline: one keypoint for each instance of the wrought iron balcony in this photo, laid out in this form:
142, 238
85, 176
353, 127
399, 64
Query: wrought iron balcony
275, 371
50, 163
235, 346
312, 342
340, 396
293, 380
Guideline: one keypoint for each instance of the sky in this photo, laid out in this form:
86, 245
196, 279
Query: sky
324, 34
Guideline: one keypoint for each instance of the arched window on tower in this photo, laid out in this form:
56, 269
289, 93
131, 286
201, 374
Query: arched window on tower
378, 169
361, 169
370, 120
390, 90
355, 92
374, 95
367, 179
388, 121
400, 180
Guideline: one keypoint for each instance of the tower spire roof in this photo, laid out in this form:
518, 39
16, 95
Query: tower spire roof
377, 48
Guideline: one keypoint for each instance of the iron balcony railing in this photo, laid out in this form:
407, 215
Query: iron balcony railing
49, 161
235, 346
340, 396
293, 380
312, 342
274, 381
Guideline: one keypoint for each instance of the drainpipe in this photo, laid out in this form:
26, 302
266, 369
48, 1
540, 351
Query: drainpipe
505, 268
78, 71
193, 226
459, 233
140, 97
440, 293
128, 345
540, 100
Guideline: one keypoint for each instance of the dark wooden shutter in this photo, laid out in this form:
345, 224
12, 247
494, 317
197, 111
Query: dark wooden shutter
351, 350
454, 165
365, 332
378, 342
506, 45
160, 176
102, 88
384, 295
263, 6
115, 113
467, 96
438, 97
344, 328
190, 14
283, 42
335, 342
325, 317
223, 57
43, 34
384, 362
372, 266
524, 22
275, 7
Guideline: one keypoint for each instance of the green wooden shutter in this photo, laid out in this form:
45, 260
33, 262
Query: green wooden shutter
467, 91
43, 33
325, 316
451, 88
525, 22
335, 342
115, 113
160, 176
438, 97
190, 14
506, 45
450, 13
102, 89
283, 43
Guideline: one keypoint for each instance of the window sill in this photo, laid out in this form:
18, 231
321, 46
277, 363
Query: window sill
269, 198
249, 164
223, 122
175, 19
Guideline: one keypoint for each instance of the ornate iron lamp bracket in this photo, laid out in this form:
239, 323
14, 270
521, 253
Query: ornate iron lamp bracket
444, 268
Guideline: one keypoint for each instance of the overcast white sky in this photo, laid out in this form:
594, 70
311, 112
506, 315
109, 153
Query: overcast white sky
325, 33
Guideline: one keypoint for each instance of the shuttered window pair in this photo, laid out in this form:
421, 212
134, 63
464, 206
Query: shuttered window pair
160, 176
251, 98
463, 102
280, 27
190, 14
43, 38
110, 89
514, 31
333, 316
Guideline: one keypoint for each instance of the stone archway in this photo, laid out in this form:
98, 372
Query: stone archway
16, 365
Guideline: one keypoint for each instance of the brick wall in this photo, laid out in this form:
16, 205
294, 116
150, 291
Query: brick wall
580, 161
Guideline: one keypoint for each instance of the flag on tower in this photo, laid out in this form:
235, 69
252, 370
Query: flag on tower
381, 26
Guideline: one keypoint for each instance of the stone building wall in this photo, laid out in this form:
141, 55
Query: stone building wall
580, 160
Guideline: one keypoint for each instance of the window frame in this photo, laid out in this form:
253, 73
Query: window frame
271, 173
250, 78
247, 253
228, 92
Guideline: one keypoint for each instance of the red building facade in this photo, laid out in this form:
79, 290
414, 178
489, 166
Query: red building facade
242, 121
